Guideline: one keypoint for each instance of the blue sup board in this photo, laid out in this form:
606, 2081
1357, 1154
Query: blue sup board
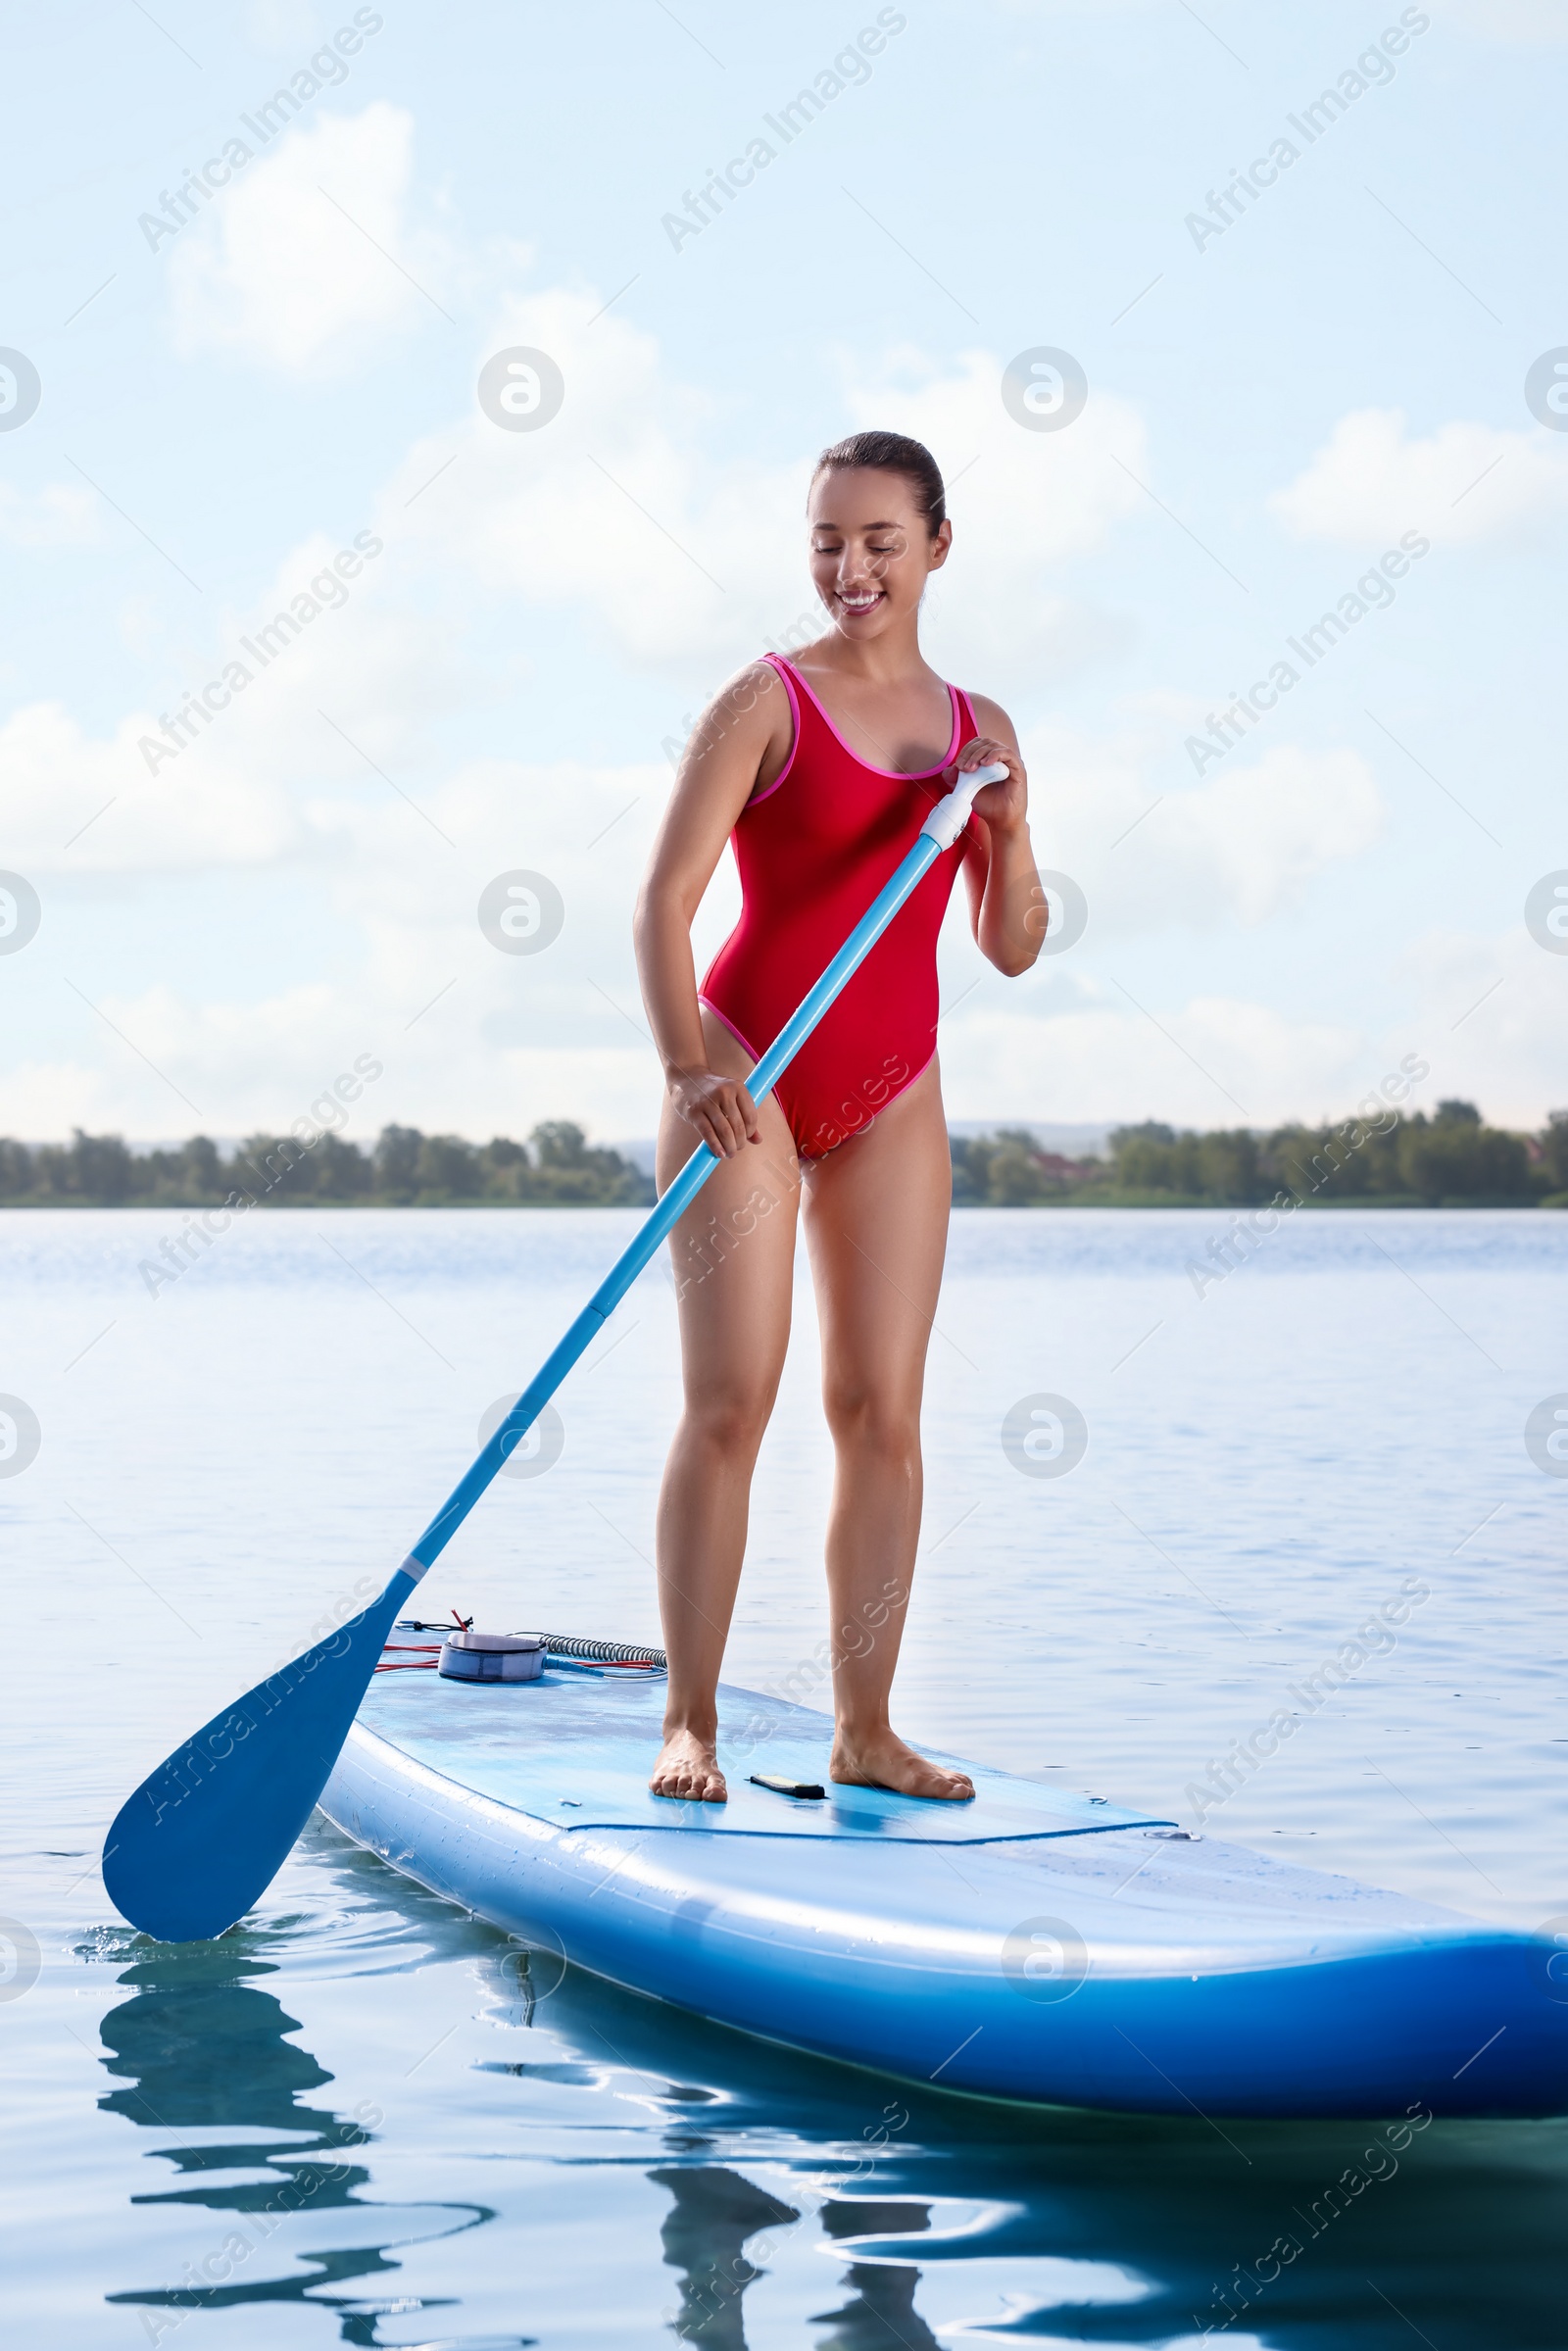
1032, 1944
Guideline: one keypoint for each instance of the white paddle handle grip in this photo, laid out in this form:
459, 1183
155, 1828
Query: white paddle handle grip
950, 815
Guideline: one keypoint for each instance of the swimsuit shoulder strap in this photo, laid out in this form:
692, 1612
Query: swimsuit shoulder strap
784, 670
794, 683
968, 723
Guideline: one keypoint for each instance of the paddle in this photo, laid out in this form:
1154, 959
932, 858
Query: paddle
205, 1834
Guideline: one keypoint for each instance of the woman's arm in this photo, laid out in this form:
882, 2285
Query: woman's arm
742, 740
1008, 903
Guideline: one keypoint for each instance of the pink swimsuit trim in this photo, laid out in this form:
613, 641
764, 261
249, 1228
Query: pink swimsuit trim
896, 776
782, 669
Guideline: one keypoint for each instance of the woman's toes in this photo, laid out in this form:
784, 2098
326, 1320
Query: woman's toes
688, 1773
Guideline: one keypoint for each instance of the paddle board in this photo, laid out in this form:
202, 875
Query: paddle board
1033, 1944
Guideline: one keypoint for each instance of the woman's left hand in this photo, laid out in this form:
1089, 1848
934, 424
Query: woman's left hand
1003, 806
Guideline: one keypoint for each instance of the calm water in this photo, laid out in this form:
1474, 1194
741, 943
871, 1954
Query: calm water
419, 2141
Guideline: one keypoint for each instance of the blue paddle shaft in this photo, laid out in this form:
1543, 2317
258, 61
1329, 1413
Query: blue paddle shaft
205, 1834
671, 1209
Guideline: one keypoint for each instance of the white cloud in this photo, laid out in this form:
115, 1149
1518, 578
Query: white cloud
79, 806
285, 267
60, 514
1492, 1012
615, 506
46, 1099
1235, 849
1224, 1061
1461, 484
480, 1043
584, 513
473, 1039
1023, 505
1507, 20
244, 1065
508, 1045
1232, 851
507, 1041
620, 506
237, 795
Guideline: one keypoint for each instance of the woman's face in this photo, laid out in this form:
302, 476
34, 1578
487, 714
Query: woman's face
872, 553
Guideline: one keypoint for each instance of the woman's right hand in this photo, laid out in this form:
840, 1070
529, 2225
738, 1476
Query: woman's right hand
719, 1109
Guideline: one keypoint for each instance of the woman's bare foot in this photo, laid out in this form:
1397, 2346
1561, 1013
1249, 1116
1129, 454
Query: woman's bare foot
688, 1767
881, 1759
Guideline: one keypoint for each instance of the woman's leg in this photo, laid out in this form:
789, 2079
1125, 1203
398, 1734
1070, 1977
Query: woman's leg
734, 1255
876, 1224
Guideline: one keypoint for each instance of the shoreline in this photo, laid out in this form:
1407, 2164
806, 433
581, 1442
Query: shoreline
1189, 1203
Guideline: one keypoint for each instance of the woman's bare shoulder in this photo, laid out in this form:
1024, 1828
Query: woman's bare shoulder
750, 705
739, 741
751, 677
992, 719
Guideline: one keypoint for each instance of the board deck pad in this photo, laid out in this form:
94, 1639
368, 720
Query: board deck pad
576, 1750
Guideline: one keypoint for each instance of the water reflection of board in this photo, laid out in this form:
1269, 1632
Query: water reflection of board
1031, 1944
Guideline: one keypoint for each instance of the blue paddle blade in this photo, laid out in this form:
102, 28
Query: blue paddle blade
205, 1834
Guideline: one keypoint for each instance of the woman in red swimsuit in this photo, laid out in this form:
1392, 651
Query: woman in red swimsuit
821, 769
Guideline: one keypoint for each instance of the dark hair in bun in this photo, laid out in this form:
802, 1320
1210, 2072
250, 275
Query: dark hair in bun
893, 453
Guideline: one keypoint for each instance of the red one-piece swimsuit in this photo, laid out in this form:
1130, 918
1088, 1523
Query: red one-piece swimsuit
813, 852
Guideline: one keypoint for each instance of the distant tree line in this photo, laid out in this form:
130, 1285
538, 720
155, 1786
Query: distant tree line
1450, 1160
555, 1168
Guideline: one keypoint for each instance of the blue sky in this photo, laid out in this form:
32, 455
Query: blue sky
230, 400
